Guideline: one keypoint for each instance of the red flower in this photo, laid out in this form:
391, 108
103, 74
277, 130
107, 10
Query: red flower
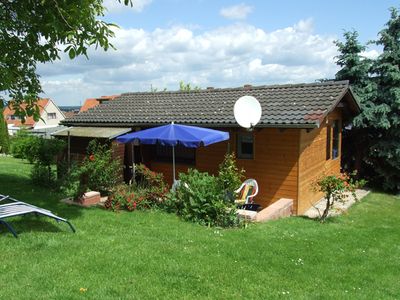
91, 157
134, 205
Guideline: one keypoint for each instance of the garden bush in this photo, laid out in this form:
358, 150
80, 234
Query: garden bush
148, 192
99, 171
39, 151
230, 177
43, 153
23, 144
200, 199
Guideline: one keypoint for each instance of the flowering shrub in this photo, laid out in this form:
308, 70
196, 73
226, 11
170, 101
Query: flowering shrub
152, 183
125, 197
335, 188
148, 192
99, 171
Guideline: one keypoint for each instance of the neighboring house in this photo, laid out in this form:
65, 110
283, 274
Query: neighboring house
92, 102
297, 140
50, 117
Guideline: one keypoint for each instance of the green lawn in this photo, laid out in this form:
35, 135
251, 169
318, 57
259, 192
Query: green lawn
156, 255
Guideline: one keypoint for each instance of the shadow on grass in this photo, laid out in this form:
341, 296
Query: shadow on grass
331, 219
22, 189
26, 224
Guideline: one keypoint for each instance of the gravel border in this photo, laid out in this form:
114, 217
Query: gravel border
338, 208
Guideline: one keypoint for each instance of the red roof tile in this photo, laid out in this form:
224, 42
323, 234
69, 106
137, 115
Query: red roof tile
92, 102
29, 121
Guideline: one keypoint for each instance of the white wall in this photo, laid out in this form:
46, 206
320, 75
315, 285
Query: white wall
49, 109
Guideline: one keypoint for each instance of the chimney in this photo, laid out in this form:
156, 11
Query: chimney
247, 87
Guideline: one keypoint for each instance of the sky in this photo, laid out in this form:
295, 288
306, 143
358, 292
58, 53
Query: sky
214, 43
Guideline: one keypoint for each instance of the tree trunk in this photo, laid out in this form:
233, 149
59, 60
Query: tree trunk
327, 208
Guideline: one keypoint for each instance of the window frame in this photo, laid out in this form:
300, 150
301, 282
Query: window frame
336, 128
51, 114
239, 153
328, 142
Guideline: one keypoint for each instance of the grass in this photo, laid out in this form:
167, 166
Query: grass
156, 255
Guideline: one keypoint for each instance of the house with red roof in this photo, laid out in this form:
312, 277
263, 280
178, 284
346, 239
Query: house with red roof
92, 102
50, 116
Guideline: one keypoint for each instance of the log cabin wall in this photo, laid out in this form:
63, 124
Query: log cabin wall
274, 165
313, 160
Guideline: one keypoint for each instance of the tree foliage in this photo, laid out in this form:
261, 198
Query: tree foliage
187, 87
34, 32
4, 137
377, 83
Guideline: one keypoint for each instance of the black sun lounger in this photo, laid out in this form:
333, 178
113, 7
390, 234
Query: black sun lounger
18, 208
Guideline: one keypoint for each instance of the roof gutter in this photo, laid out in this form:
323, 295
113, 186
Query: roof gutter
214, 125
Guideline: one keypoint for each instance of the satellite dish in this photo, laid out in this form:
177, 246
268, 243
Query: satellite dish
247, 111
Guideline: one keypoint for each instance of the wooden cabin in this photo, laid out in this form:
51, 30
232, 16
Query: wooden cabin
297, 140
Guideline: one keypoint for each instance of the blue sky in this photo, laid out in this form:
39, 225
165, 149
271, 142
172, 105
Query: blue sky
214, 43
368, 16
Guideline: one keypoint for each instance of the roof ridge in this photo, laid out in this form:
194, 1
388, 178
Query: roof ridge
241, 88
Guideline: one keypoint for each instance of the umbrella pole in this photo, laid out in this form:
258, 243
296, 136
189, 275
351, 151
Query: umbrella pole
133, 162
173, 163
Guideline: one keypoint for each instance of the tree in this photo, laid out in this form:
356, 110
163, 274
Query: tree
4, 138
377, 128
355, 68
187, 87
382, 115
37, 32
336, 188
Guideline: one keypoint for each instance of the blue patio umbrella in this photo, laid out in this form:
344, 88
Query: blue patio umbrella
175, 134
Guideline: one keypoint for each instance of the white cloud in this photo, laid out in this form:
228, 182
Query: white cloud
371, 54
224, 57
114, 6
236, 12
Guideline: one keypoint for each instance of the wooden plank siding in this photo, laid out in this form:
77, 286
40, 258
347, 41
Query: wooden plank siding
313, 163
286, 162
274, 165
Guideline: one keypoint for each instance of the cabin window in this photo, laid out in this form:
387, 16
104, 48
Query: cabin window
245, 146
51, 116
182, 154
328, 142
335, 139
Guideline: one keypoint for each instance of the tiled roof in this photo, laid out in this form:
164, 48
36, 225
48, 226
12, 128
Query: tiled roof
29, 121
69, 114
92, 102
294, 105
